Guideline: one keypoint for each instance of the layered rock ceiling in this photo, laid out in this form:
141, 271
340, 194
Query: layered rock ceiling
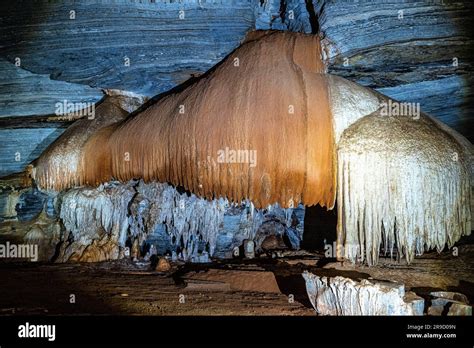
53, 52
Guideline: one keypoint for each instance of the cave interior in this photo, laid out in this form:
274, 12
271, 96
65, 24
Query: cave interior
111, 110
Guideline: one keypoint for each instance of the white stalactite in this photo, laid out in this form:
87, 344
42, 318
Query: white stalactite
188, 217
403, 183
184, 216
112, 213
90, 214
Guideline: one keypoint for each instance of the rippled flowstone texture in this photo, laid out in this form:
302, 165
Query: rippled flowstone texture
64, 51
56, 51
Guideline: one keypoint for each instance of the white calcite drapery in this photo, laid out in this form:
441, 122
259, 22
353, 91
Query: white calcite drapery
404, 180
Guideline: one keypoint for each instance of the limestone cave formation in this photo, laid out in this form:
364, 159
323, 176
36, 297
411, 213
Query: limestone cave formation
238, 154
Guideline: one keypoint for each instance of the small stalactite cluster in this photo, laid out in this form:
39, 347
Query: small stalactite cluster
100, 221
188, 219
192, 221
97, 217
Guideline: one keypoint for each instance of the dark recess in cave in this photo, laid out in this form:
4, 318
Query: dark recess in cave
319, 227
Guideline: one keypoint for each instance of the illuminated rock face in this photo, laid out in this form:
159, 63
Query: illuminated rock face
409, 58
398, 192
392, 185
63, 158
412, 51
316, 132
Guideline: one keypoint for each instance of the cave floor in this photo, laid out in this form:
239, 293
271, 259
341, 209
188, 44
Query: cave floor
262, 286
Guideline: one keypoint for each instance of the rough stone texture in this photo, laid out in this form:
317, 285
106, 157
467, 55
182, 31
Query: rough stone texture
164, 46
344, 296
124, 288
460, 309
188, 225
20, 146
71, 59
27, 111
163, 265
24, 138
451, 270
23, 93
449, 303
409, 58
61, 58
292, 15
19, 201
96, 222
27, 216
35, 288
231, 137
101, 222
65, 153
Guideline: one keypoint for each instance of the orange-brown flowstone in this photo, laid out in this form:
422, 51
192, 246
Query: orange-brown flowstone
257, 127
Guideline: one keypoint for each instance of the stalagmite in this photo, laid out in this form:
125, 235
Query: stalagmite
268, 125
163, 265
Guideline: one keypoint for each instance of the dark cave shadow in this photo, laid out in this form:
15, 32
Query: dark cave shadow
324, 261
18, 39
33, 287
294, 285
319, 228
464, 287
465, 124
